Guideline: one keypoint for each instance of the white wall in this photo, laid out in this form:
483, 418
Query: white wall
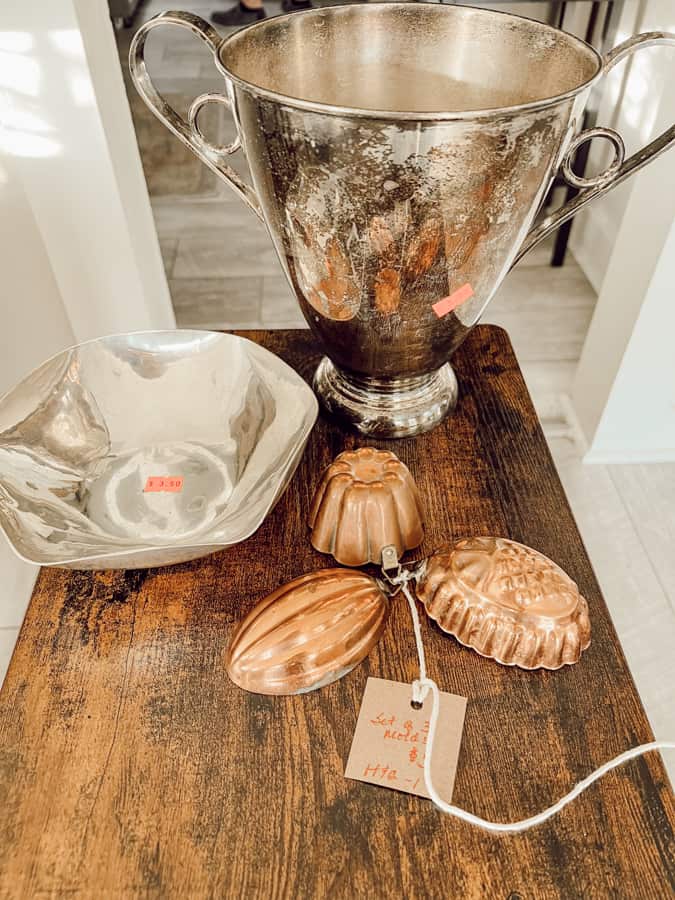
68, 127
632, 95
34, 323
79, 255
643, 393
624, 389
33, 326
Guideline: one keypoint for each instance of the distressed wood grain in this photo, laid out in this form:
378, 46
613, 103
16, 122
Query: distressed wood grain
131, 767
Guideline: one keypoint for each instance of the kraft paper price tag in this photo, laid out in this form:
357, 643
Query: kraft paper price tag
170, 483
390, 739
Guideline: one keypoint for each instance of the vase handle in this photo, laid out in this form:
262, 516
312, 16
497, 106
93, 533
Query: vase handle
619, 170
189, 132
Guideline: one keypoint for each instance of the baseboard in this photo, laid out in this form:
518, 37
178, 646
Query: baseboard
574, 425
630, 457
599, 456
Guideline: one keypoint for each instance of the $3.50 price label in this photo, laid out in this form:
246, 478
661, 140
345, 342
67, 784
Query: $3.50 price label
171, 484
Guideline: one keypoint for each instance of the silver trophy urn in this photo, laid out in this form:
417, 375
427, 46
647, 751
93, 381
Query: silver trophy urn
398, 155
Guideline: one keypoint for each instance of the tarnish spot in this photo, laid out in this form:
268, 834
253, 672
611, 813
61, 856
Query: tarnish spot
423, 248
336, 296
388, 291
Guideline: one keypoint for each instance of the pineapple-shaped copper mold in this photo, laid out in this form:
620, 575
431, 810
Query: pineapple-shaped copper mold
366, 500
507, 602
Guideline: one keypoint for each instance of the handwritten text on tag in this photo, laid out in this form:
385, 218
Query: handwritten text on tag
390, 739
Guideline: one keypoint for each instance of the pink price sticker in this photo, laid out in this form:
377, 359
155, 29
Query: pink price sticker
171, 484
452, 301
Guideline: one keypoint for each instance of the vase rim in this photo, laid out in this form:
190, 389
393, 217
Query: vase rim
441, 115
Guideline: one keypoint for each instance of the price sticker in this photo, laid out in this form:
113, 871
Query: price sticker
452, 301
171, 484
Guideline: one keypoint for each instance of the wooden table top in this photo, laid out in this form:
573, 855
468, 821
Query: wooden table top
132, 767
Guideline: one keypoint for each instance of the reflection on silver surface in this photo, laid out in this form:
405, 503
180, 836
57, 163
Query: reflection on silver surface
81, 435
398, 155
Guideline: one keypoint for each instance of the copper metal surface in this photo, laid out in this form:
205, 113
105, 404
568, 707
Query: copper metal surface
308, 633
367, 500
399, 153
217, 422
507, 602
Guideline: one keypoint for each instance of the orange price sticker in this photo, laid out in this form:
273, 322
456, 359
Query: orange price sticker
171, 484
452, 301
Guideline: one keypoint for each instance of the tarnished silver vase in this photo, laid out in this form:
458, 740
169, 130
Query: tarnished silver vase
398, 156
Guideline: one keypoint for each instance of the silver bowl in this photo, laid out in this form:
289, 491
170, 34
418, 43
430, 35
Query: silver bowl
148, 449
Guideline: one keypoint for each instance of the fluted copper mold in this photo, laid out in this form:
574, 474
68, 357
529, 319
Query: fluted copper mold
507, 602
367, 500
308, 633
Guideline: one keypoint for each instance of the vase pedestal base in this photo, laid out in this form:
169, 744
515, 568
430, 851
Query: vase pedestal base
390, 407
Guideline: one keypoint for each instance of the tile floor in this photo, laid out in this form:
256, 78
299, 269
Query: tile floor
223, 274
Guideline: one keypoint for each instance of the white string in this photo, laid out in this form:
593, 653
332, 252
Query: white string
420, 688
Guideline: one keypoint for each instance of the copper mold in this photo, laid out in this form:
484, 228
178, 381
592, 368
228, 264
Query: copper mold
308, 633
367, 500
507, 602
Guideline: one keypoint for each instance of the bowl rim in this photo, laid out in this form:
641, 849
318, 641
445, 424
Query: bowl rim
311, 414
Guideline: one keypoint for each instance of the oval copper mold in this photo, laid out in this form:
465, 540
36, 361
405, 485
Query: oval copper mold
366, 500
308, 633
507, 602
